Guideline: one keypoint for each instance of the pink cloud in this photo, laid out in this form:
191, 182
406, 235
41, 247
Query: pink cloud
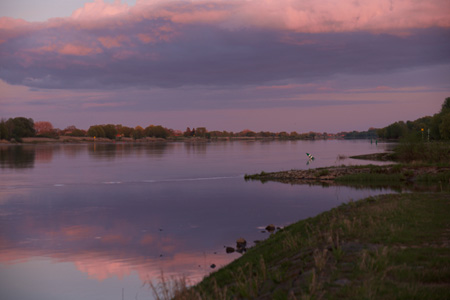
116, 239
287, 86
145, 38
339, 16
296, 16
10, 28
147, 239
99, 9
112, 41
97, 105
78, 50
299, 16
384, 88
303, 16
293, 16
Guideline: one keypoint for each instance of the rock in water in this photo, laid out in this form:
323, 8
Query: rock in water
241, 245
270, 228
229, 249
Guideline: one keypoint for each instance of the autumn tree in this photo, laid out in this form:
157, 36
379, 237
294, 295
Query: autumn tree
283, 135
45, 129
125, 131
73, 131
187, 132
247, 133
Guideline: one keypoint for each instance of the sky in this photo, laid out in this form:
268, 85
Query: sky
282, 65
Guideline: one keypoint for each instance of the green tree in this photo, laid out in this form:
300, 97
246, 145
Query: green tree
446, 105
110, 131
3, 131
156, 131
96, 130
444, 127
138, 133
434, 127
396, 130
381, 133
78, 132
201, 131
20, 127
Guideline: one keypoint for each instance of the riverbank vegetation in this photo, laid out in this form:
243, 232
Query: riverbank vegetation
384, 247
413, 163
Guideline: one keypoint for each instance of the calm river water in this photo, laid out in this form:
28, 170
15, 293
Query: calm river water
99, 221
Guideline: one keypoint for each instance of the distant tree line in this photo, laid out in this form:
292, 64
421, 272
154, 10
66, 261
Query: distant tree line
369, 134
436, 127
20, 127
111, 131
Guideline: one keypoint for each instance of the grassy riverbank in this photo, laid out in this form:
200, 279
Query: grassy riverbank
385, 247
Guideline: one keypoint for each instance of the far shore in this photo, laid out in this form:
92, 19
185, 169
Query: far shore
79, 140
88, 140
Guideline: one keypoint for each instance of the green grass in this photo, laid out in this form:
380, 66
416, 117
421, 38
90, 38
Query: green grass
323, 172
443, 177
385, 247
420, 151
371, 177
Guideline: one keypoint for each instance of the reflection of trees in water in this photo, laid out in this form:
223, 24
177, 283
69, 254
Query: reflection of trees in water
198, 148
112, 151
73, 151
44, 153
17, 157
157, 150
